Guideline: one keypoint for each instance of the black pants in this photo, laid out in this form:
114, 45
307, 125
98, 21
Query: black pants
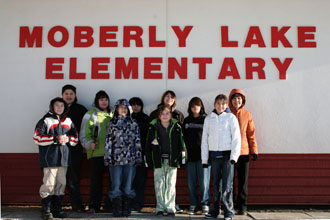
73, 176
139, 186
242, 168
96, 181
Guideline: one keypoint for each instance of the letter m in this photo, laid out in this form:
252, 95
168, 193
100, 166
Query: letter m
27, 38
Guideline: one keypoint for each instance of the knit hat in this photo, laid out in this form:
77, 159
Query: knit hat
68, 86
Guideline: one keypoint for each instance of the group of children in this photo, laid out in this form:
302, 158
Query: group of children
127, 142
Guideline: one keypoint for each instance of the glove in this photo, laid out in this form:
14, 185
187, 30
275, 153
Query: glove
254, 157
205, 165
232, 162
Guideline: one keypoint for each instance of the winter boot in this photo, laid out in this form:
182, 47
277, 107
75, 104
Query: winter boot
117, 207
46, 205
57, 207
127, 206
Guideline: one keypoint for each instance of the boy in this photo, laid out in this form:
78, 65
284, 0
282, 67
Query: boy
54, 133
249, 146
221, 144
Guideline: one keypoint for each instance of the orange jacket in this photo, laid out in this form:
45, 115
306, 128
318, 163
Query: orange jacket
246, 124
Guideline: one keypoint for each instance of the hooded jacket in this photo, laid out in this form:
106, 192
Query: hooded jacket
123, 145
246, 124
177, 151
52, 153
94, 129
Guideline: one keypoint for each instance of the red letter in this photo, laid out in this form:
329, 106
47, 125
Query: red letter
182, 35
282, 67
279, 35
105, 35
254, 31
259, 68
83, 36
73, 70
225, 42
229, 69
303, 37
173, 66
131, 68
51, 36
202, 65
152, 38
51, 67
148, 68
137, 36
97, 67
26, 38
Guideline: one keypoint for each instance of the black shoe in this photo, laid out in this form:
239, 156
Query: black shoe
178, 209
78, 208
46, 215
159, 213
171, 214
241, 212
211, 215
60, 214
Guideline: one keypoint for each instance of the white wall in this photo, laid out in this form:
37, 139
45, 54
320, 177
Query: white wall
291, 116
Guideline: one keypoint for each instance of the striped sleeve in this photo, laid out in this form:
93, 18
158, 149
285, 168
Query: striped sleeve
40, 136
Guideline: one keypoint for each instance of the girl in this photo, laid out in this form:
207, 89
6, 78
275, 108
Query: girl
123, 153
168, 98
54, 134
92, 137
165, 151
76, 113
192, 133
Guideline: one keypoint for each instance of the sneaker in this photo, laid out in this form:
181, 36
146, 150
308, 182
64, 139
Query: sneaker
241, 212
205, 209
210, 215
91, 211
159, 213
178, 209
46, 215
228, 218
171, 214
192, 210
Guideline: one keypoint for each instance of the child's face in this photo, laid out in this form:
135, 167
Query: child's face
58, 108
69, 96
103, 103
165, 116
237, 101
195, 109
169, 100
122, 110
220, 106
136, 108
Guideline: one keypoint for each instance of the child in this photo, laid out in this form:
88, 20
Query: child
165, 151
54, 133
92, 137
76, 113
141, 171
123, 153
192, 133
249, 146
221, 144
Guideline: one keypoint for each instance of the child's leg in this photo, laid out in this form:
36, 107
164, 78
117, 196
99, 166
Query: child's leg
242, 176
127, 187
216, 178
204, 183
49, 181
116, 173
227, 186
159, 182
170, 192
96, 178
191, 170
60, 181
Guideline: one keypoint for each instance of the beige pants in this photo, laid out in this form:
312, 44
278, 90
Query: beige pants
54, 181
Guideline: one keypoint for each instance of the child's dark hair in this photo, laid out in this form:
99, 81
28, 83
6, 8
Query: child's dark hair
196, 101
161, 108
100, 95
172, 95
136, 101
221, 97
58, 99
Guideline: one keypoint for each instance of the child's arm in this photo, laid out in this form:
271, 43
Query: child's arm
138, 148
73, 135
204, 145
41, 137
184, 153
148, 149
108, 144
86, 135
235, 139
250, 134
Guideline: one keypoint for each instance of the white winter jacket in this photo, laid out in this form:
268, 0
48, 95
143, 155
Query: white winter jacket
221, 133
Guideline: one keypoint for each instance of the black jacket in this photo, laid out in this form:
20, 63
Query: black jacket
76, 113
177, 149
143, 121
192, 133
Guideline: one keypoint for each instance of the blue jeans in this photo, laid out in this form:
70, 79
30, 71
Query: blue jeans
222, 174
195, 171
122, 178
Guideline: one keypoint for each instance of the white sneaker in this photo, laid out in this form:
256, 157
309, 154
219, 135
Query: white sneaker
192, 210
228, 218
205, 209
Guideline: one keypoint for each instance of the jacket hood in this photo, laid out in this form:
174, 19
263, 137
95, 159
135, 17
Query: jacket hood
123, 102
232, 93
